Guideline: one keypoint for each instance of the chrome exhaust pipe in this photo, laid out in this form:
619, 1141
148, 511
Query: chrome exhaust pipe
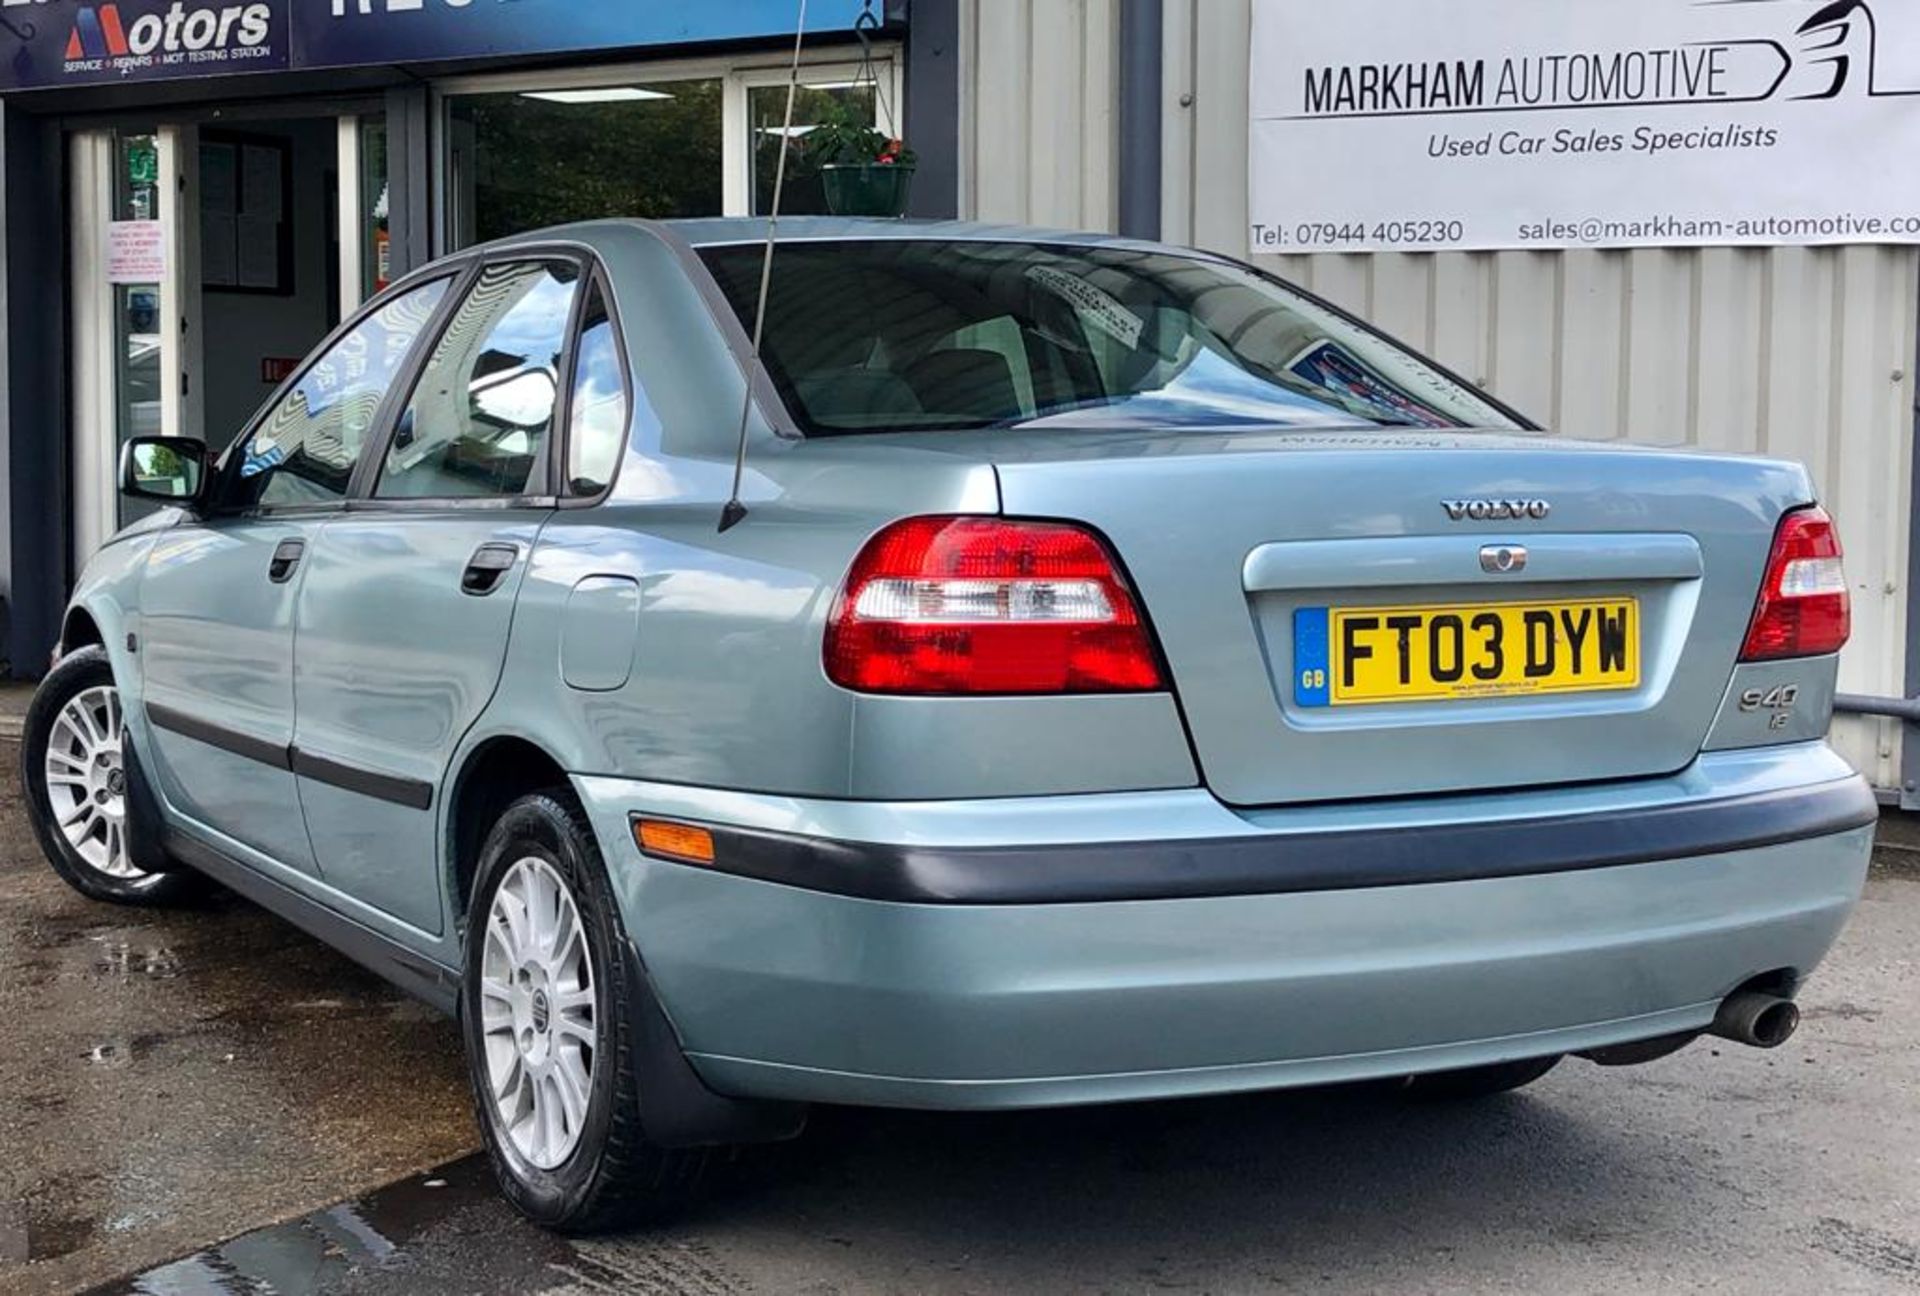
1761, 1020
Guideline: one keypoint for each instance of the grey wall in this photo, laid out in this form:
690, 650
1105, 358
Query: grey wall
933, 107
241, 330
34, 561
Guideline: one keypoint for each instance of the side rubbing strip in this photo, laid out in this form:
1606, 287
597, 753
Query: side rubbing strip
189, 726
411, 793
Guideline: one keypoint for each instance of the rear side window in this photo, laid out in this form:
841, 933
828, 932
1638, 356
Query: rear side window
478, 422
597, 421
305, 449
906, 335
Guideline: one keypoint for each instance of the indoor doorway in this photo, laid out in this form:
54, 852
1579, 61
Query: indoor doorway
209, 258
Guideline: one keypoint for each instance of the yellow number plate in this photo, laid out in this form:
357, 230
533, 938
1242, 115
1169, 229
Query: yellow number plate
1352, 656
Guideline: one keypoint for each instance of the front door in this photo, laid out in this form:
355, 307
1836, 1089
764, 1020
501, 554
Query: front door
216, 651
409, 597
218, 600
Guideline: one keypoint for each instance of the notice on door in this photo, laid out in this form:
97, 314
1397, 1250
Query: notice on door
136, 252
1382, 125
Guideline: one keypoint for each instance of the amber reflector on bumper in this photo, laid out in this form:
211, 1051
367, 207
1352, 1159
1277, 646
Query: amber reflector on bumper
674, 841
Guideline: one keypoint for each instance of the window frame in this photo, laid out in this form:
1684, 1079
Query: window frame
360, 492
737, 75
598, 279
456, 273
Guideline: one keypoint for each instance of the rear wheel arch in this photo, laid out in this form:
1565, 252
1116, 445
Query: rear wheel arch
495, 774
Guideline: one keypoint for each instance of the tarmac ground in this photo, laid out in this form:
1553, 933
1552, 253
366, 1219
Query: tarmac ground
205, 1100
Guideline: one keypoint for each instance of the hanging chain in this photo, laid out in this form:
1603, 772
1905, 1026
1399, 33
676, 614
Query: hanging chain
868, 73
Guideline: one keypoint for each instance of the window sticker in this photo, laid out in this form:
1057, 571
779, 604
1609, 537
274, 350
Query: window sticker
1328, 365
1100, 309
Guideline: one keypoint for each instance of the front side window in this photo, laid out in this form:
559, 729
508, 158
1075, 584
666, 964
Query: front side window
481, 413
597, 418
304, 451
911, 335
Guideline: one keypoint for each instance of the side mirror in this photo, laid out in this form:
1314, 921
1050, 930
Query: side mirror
172, 470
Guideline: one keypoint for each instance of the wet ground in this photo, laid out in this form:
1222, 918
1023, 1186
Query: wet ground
168, 1078
172, 1080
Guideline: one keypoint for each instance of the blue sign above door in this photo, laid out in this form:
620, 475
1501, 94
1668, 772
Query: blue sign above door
91, 42
348, 33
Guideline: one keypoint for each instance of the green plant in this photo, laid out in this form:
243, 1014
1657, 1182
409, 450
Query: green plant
841, 139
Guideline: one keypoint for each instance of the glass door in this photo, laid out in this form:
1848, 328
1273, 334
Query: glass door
365, 209
135, 300
135, 282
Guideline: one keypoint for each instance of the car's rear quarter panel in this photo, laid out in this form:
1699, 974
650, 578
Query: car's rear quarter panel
727, 687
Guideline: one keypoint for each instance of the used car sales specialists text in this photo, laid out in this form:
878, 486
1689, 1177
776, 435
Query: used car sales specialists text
1643, 139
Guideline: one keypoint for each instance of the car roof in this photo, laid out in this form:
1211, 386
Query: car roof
714, 231
722, 231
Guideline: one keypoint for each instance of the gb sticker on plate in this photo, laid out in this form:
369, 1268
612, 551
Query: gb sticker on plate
1311, 658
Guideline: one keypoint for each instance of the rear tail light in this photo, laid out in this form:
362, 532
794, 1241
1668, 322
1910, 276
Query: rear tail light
1803, 609
972, 605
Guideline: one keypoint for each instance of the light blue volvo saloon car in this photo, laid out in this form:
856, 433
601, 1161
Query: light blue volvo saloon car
1130, 678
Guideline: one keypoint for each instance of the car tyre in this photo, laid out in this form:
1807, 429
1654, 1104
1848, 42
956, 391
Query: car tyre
1481, 1081
75, 780
550, 1030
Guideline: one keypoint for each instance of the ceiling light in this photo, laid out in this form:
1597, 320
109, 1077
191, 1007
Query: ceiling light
605, 94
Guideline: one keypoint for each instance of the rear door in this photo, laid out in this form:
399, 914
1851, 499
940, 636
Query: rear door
218, 595
409, 595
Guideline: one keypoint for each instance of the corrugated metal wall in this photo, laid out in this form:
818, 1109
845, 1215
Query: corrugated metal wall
1039, 107
1803, 353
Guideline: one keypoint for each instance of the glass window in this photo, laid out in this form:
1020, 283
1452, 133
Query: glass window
483, 407
304, 451
597, 423
814, 104
527, 160
136, 307
909, 335
376, 207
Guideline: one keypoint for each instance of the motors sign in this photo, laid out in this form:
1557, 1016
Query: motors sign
85, 43
1384, 125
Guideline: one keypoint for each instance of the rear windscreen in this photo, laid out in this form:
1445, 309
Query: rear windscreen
912, 335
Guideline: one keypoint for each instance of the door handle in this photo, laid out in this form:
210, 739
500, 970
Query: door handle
286, 557
490, 562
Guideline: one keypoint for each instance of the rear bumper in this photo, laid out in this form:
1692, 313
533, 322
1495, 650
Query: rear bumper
789, 991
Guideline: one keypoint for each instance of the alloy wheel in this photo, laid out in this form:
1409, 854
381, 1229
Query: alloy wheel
87, 781
537, 1013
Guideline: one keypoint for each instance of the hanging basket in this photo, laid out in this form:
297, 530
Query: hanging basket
867, 189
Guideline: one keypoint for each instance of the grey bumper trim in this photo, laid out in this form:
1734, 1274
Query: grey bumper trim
1277, 863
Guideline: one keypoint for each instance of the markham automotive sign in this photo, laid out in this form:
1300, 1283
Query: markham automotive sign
1413, 125
49, 43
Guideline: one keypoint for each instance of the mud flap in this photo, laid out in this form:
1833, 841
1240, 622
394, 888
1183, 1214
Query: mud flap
146, 830
676, 1107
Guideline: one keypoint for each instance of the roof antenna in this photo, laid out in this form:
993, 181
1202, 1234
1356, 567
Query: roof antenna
736, 508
